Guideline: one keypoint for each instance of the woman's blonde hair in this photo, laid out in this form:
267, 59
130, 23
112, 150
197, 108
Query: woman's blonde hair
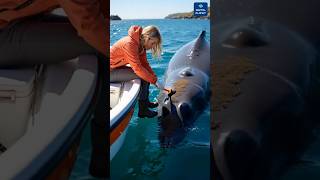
153, 31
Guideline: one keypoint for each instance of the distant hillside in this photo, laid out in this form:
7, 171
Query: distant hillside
187, 15
115, 17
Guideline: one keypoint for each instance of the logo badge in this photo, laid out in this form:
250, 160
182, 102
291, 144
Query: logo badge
200, 9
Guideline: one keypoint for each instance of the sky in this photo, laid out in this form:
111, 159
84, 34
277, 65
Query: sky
150, 9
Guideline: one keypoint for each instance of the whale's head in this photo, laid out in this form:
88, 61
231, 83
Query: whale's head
178, 112
263, 73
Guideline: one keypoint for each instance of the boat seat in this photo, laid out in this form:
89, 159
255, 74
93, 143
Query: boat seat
16, 97
115, 93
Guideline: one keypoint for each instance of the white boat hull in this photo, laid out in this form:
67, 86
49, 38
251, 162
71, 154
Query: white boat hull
121, 114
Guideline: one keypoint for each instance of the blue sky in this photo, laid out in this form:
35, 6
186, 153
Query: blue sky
150, 9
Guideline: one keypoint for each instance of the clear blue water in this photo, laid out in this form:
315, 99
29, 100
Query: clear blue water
141, 156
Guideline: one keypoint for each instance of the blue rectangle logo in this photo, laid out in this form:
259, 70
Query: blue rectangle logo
200, 9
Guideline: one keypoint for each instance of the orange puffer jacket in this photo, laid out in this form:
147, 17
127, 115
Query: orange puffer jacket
126, 51
89, 17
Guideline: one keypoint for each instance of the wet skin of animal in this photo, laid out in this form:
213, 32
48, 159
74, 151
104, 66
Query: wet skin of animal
262, 119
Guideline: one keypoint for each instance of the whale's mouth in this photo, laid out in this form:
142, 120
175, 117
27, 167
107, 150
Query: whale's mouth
170, 113
184, 111
165, 112
171, 130
240, 152
181, 112
174, 122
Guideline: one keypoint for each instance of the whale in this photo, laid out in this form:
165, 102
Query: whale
266, 85
188, 74
296, 15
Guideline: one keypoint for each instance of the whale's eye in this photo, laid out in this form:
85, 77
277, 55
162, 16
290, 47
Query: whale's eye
186, 73
245, 37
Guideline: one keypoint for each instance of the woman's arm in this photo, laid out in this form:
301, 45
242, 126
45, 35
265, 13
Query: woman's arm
145, 63
132, 56
88, 18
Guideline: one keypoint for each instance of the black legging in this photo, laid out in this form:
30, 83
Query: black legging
127, 74
40, 39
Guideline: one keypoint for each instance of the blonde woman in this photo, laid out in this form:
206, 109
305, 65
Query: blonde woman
131, 50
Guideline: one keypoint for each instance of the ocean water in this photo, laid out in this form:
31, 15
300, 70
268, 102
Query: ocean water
141, 156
